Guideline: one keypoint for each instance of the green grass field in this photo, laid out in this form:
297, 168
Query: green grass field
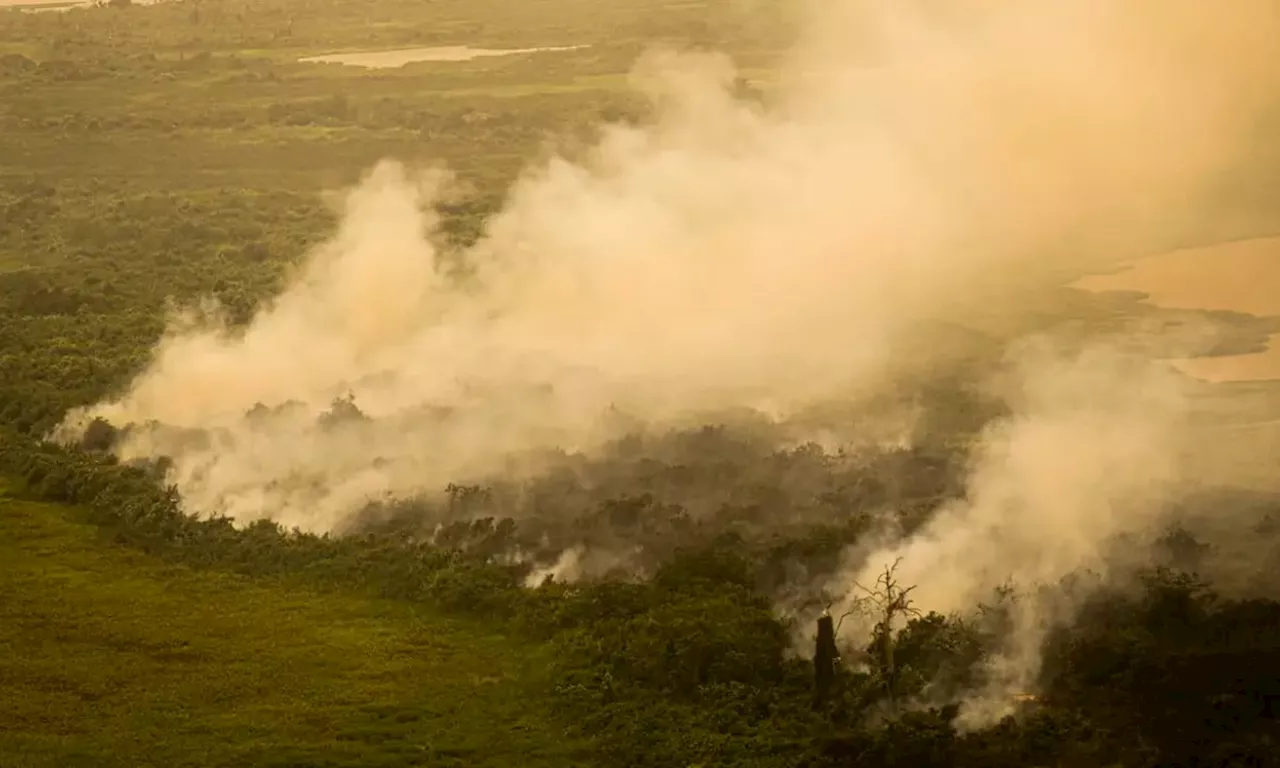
111, 658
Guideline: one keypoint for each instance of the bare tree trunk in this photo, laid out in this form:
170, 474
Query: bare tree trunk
824, 661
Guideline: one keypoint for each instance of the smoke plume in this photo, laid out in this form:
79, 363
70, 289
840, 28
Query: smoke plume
1091, 452
917, 159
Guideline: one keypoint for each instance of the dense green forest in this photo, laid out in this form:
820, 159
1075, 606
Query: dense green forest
153, 155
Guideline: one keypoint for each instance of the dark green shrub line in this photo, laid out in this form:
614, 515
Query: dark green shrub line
131, 504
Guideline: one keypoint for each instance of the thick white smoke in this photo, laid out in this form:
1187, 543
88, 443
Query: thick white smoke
919, 158
1093, 451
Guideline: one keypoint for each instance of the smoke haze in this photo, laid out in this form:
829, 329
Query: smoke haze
916, 161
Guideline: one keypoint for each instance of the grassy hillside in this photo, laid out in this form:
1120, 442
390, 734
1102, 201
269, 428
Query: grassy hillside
111, 657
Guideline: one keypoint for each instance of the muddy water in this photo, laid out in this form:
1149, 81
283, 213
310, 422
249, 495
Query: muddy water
1242, 276
403, 56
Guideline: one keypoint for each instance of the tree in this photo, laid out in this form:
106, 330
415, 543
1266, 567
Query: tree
99, 436
890, 601
467, 499
342, 409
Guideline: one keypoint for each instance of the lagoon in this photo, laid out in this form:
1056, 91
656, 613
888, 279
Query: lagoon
402, 56
1241, 276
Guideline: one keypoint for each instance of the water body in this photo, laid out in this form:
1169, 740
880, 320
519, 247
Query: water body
403, 56
44, 6
56, 6
1241, 276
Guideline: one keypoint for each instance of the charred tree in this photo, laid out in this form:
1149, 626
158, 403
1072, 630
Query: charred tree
824, 661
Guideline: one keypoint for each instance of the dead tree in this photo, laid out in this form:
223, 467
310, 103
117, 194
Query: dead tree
890, 601
824, 661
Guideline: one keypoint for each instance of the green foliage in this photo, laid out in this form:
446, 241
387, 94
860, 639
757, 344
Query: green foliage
115, 658
936, 651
